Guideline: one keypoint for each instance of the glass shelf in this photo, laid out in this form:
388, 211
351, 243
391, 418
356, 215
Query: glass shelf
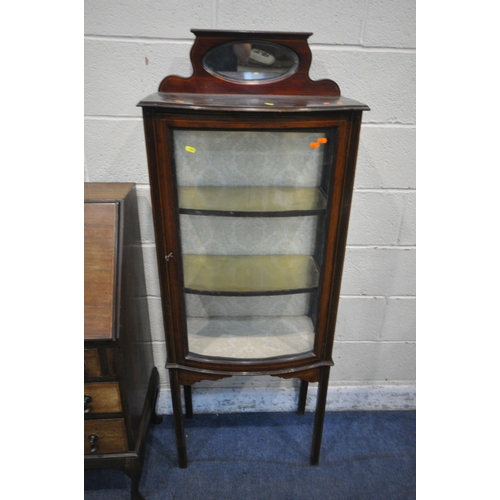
249, 274
251, 200
250, 337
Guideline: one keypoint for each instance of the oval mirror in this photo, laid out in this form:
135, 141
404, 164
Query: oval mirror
251, 61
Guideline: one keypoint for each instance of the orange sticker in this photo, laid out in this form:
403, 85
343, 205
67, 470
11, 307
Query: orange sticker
326, 103
313, 145
340, 102
322, 140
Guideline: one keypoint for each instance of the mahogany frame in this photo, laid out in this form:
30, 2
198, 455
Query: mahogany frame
204, 101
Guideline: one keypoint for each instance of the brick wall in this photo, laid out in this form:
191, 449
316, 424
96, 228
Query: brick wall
368, 48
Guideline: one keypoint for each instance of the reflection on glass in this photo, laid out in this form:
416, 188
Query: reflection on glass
252, 215
236, 274
250, 199
251, 61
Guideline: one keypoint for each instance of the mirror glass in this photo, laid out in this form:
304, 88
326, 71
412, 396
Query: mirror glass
251, 61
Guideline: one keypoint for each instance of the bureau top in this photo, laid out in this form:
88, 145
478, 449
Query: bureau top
106, 191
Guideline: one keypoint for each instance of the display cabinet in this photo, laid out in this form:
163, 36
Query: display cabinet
251, 167
121, 381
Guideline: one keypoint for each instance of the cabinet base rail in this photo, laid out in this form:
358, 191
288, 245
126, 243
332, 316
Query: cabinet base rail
318, 374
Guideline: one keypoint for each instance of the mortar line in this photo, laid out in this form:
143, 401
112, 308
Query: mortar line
185, 41
378, 342
139, 39
362, 48
384, 247
139, 117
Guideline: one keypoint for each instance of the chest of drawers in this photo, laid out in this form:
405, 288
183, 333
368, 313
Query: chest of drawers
120, 379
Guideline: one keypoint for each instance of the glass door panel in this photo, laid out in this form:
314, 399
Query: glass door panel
252, 213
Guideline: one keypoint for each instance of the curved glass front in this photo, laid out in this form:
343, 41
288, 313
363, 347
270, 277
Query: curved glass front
252, 208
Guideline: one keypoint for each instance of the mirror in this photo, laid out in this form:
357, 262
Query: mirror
251, 61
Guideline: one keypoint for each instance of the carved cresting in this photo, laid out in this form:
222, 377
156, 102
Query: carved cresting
202, 82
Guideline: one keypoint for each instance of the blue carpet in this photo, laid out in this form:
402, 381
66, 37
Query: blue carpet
265, 456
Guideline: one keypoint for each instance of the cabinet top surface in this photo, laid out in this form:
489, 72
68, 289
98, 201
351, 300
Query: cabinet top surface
102, 191
254, 103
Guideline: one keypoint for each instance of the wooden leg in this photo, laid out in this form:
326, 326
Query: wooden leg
135, 493
188, 400
319, 418
134, 471
155, 418
180, 435
302, 397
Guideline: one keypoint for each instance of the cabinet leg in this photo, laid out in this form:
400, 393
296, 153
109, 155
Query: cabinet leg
180, 435
135, 493
134, 472
188, 400
319, 417
302, 397
155, 418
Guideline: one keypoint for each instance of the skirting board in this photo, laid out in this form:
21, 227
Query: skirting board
271, 399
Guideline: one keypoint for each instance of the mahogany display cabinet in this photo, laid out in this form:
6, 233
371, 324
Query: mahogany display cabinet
251, 167
121, 381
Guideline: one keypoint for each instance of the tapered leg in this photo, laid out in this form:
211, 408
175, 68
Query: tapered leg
302, 397
136, 479
155, 418
188, 400
175, 390
135, 472
319, 418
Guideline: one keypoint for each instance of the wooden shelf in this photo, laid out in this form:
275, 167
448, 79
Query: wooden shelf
250, 201
249, 274
250, 337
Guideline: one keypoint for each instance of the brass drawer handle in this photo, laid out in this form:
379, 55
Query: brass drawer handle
93, 438
88, 399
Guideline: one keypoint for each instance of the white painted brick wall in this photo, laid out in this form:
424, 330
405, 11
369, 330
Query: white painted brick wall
368, 48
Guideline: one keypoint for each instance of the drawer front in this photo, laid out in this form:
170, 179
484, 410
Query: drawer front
100, 362
92, 363
102, 397
105, 436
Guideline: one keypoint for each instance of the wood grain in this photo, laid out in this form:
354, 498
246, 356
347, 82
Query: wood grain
105, 397
100, 236
111, 435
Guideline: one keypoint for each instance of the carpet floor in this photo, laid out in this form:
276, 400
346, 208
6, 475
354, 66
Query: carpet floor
265, 456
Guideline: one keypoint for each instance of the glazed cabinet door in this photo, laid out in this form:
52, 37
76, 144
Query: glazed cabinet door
249, 220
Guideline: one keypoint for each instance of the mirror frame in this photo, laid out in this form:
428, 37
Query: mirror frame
205, 82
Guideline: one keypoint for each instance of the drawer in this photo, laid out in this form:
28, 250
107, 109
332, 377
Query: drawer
102, 397
105, 436
92, 363
100, 362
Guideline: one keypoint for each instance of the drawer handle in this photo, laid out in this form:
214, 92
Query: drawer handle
93, 438
88, 399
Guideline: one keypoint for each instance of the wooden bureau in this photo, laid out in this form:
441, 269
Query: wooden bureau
120, 379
